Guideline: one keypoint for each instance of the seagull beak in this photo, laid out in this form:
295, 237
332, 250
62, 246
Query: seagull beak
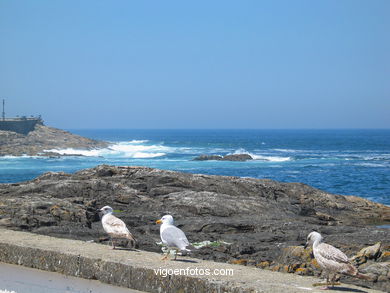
306, 245
158, 222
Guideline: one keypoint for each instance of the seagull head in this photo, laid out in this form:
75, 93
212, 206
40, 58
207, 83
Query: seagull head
313, 237
106, 210
167, 219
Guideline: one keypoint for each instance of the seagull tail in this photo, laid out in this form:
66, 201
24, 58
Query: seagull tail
352, 271
132, 240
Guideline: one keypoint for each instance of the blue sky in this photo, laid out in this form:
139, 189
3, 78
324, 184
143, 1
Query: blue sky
197, 64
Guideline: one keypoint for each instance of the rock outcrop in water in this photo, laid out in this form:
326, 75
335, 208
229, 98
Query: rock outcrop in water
250, 221
234, 157
43, 138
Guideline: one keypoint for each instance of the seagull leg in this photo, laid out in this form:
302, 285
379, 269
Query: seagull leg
111, 243
333, 281
175, 254
321, 284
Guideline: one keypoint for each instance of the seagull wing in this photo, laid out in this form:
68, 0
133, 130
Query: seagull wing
174, 237
332, 253
115, 226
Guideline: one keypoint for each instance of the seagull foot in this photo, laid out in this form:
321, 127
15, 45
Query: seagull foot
335, 284
326, 285
320, 284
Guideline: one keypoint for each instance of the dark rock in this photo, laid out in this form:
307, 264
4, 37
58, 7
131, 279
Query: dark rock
236, 157
378, 271
44, 138
208, 158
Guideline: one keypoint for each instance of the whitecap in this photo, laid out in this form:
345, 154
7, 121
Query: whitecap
139, 141
120, 150
373, 165
10, 157
271, 158
262, 157
286, 150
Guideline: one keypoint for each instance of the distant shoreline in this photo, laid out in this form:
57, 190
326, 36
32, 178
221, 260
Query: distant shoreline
42, 139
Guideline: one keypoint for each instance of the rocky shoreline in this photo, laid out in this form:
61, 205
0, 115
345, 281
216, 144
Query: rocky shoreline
254, 222
43, 138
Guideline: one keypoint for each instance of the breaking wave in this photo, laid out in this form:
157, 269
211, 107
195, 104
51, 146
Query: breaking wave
262, 157
132, 149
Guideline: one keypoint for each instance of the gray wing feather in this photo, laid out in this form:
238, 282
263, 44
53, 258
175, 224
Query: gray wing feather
174, 237
113, 225
332, 253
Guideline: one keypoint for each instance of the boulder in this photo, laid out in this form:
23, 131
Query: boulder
208, 158
235, 157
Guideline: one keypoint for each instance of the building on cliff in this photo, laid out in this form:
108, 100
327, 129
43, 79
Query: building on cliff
22, 125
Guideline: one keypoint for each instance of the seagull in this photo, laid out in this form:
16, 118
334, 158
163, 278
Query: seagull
331, 259
172, 236
115, 227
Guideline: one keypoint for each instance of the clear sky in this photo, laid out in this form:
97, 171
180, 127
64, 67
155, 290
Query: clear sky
197, 64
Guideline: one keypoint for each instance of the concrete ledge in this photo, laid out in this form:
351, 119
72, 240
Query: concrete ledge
137, 270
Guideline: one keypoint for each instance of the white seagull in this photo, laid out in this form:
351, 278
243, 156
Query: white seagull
331, 259
115, 227
172, 236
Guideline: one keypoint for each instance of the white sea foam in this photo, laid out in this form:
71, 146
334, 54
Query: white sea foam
8, 157
376, 157
286, 150
373, 165
271, 158
131, 149
139, 141
262, 157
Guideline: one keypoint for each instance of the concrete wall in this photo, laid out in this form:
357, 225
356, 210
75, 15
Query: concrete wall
22, 126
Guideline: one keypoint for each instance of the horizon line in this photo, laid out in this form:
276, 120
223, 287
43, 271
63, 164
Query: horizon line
298, 128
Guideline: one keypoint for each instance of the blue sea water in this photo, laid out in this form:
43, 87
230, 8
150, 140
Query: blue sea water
349, 162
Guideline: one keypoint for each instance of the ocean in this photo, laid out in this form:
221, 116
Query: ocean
348, 162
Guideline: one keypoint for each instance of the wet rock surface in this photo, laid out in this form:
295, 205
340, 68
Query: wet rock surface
43, 138
253, 222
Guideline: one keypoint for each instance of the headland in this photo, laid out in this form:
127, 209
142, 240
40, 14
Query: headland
34, 139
